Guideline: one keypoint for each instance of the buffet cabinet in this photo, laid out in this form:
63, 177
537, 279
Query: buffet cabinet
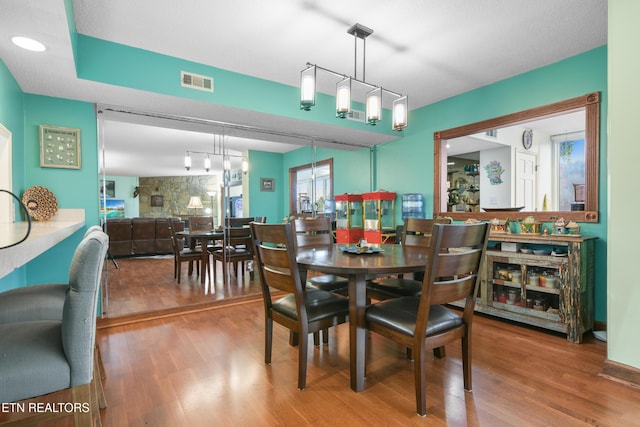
545, 281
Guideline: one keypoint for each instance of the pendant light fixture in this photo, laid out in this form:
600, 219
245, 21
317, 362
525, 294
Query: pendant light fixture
373, 101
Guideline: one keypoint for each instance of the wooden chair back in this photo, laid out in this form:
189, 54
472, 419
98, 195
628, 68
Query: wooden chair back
313, 232
417, 231
452, 274
275, 256
453, 270
201, 223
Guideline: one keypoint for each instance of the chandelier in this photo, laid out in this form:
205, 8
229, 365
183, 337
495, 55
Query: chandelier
218, 150
374, 93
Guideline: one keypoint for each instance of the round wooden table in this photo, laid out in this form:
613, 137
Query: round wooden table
393, 259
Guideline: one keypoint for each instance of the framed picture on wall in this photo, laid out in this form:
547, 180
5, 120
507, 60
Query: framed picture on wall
59, 147
157, 201
108, 190
267, 184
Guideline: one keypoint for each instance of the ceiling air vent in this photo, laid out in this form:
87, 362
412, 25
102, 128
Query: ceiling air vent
356, 115
196, 81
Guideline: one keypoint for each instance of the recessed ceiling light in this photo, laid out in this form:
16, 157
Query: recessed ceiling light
29, 44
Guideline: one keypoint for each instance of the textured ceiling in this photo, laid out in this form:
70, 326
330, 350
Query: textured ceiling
429, 50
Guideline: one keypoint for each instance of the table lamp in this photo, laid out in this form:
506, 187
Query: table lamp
195, 203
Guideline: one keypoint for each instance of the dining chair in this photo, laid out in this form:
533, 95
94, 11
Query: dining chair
416, 232
424, 322
182, 254
239, 250
303, 311
200, 223
316, 233
45, 356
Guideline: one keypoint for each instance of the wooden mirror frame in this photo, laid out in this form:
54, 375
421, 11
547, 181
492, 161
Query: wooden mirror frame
590, 102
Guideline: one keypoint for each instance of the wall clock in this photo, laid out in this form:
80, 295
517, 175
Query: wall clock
527, 139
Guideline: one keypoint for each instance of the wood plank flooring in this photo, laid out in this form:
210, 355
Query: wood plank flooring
207, 369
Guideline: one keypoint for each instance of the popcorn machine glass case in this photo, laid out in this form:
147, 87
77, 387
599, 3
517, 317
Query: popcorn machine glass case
349, 218
379, 216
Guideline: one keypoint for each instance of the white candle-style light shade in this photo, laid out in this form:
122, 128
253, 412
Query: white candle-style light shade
308, 88
343, 98
187, 161
245, 164
374, 106
226, 163
195, 203
400, 111
207, 164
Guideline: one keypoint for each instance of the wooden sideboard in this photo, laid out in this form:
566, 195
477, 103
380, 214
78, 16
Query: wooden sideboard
548, 290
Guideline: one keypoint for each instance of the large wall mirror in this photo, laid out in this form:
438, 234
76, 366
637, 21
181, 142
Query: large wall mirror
541, 162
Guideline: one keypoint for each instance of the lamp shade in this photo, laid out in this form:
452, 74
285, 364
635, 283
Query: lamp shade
400, 111
195, 203
343, 98
374, 106
308, 88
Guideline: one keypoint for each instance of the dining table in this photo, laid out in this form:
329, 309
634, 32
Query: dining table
204, 236
344, 260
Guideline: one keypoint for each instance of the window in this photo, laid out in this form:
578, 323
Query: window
304, 197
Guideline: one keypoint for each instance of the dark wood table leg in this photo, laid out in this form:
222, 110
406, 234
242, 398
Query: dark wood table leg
357, 330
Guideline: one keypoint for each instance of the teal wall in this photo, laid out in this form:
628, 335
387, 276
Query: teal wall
74, 189
569, 78
406, 165
11, 117
102, 61
403, 166
266, 203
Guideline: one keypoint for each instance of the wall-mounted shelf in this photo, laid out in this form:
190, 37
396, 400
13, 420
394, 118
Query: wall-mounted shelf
44, 235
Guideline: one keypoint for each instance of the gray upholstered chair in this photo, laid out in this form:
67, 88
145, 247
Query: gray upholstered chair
36, 302
44, 356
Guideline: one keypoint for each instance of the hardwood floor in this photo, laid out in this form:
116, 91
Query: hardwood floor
207, 369
143, 285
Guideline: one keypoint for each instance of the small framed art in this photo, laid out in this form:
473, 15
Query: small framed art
267, 184
59, 147
157, 201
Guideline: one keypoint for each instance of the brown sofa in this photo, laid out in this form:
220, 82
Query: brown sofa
140, 236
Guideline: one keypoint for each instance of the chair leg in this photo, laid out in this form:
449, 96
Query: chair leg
325, 336
293, 338
268, 338
466, 362
316, 338
180, 270
97, 383
83, 394
303, 349
410, 353
103, 373
420, 381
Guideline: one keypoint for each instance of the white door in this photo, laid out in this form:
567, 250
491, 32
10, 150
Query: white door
526, 180
6, 201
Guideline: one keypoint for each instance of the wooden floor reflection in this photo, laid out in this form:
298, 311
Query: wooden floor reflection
146, 285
